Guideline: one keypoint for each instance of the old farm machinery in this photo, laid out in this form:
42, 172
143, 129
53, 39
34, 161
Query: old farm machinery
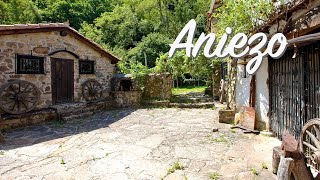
299, 160
18, 97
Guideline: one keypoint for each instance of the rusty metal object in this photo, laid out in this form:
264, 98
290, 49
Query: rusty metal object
17, 97
92, 90
310, 142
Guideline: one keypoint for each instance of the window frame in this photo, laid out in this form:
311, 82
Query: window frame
41, 60
87, 61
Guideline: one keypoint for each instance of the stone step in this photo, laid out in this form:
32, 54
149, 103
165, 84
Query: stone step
77, 116
68, 107
76, 108
193, 105
191, 99
162, 103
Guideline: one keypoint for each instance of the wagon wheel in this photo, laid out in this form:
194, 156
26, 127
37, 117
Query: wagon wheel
92, 90
17, 97
310, 142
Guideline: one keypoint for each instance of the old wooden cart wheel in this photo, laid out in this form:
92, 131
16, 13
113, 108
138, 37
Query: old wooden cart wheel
310, 142
92, 90
17, 97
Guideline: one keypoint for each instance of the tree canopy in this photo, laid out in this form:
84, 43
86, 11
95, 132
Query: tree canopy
140, 31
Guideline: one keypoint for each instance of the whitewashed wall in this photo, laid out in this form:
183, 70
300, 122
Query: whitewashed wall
262, 93
242, 88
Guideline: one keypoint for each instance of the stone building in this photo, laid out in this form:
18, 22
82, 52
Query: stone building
284, 91
42, 65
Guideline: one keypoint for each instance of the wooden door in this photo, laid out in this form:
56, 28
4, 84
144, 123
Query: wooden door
294, 89
62, 80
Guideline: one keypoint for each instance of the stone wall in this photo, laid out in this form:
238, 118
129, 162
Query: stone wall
226, 116
158, 86
41, 44
126, 98
17, 121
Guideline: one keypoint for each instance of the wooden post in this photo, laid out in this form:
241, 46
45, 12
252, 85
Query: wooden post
276, 159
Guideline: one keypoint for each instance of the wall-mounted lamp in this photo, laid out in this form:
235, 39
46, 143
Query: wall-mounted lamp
244, 73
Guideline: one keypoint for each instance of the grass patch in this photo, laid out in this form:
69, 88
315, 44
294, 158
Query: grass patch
254, 171
1, 153
188, 89
264, 166
232, 130
214, 175
62, 161
222, 138
177, 99
175, 166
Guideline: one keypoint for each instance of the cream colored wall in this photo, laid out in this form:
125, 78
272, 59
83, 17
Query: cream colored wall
10, 45
262, 96
262, 93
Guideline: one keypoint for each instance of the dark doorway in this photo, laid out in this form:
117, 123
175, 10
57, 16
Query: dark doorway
125, 85
62, 80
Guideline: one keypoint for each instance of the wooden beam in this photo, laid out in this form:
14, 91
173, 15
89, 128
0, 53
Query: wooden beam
298, 14
304, 39
302, 32
279, 15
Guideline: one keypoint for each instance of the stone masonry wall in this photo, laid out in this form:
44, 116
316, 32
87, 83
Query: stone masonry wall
126, 98
41, 44
158, 86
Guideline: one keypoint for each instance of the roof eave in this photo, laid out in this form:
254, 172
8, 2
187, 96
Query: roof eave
73, 32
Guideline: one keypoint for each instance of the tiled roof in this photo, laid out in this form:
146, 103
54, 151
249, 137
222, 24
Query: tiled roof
34, 28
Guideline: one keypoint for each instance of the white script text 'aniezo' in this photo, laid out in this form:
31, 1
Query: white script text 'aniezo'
239, 45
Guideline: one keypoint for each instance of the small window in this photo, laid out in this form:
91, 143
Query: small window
86, 67
28, 64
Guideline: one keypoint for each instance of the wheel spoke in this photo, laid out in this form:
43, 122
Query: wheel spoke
13, 89
9, 102
29, 101
19, 106
310, 146
317, 131
92, 85
14, 105
25, 104
27, 92
314, 139
9, 92
19, 84
26, 88
30, 96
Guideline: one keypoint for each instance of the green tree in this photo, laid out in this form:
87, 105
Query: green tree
74, 11
122, 27
18, 11
149, 49
242, 15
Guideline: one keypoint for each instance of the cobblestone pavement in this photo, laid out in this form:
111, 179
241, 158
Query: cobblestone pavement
137, 144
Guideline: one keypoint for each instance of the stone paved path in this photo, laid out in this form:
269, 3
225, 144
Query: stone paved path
136, 144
